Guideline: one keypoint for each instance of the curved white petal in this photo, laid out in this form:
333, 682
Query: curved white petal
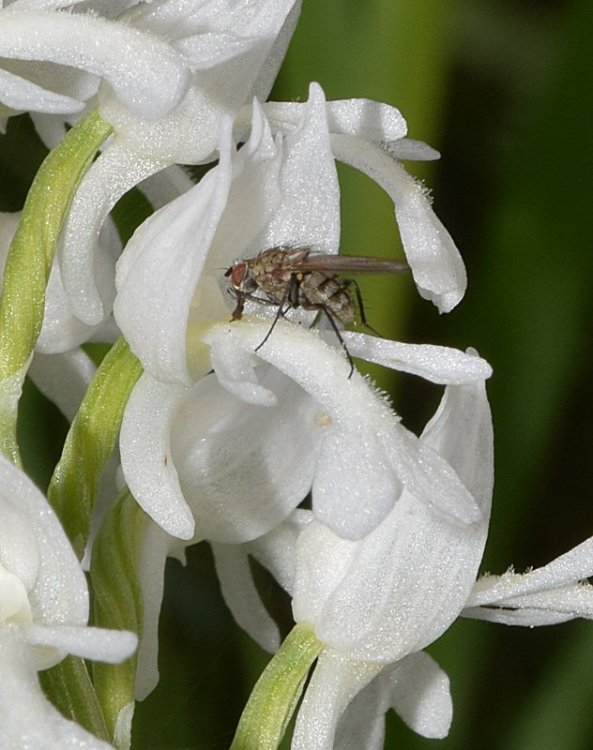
526, 617
27, 718
242, 597
408, 149
400, 587
20, 94
309, 211
366, 453
221, 85
438, 364
334, 683
150, 80
276, 550
436, 264
156, 545
243, 469
574, 565
362, 117
271, 65
166, 185
63, 378
420, 694
416, 688
99, 644
159, 271
33, 547
146, 456
61, 329
116, 171
187, 241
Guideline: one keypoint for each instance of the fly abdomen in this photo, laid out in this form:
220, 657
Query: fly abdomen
326, 291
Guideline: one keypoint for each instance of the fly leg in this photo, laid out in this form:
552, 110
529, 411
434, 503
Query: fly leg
360, 305
329, 315
290, 293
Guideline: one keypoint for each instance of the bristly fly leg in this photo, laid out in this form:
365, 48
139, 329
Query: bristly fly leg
360, 305
290, 294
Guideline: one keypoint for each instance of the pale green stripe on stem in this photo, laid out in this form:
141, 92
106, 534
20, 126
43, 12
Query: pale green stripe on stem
70, 689
277, 692
115, 571
29, 262
89, 443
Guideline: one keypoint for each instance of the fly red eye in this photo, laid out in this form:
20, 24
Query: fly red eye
237, 274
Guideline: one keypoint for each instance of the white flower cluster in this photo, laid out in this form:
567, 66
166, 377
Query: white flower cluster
223, 438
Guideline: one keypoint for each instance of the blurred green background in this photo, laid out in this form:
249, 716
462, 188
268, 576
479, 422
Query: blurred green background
504, 89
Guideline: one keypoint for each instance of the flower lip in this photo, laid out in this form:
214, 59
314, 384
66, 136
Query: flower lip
364, 428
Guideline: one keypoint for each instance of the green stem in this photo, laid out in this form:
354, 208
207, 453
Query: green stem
75, 482
115, 578
29, 261
69, 688
276, 693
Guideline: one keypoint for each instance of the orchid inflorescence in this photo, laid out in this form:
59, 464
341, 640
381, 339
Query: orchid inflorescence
222, 438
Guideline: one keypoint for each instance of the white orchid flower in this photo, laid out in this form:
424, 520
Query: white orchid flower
377, 601
43, 614
279, 191
231, 52
271, 190
370, 136
53, 64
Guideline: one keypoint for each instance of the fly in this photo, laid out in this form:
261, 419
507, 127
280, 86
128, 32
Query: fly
288, 278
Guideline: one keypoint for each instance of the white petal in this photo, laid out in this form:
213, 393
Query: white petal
439, 364
543, 607
63, 378
156, 545
116, 171
242, 597
253, 198
461, 432
309, 212
159, 271
166, 185
33, 547
147, 461
416, 688
27, 718
188, 134
99, 644
420, 694
436, 264
20, 94
575, 565
235, 370
363, 117
148, 75
239, 487
527, 618
61, 329
269, 70
276, 550
406, 148
334, 683
401, 586
351, 408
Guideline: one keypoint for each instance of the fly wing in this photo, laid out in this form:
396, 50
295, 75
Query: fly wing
347, 264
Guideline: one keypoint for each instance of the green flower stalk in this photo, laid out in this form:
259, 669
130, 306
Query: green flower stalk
29, 263
276, 694
75, 482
